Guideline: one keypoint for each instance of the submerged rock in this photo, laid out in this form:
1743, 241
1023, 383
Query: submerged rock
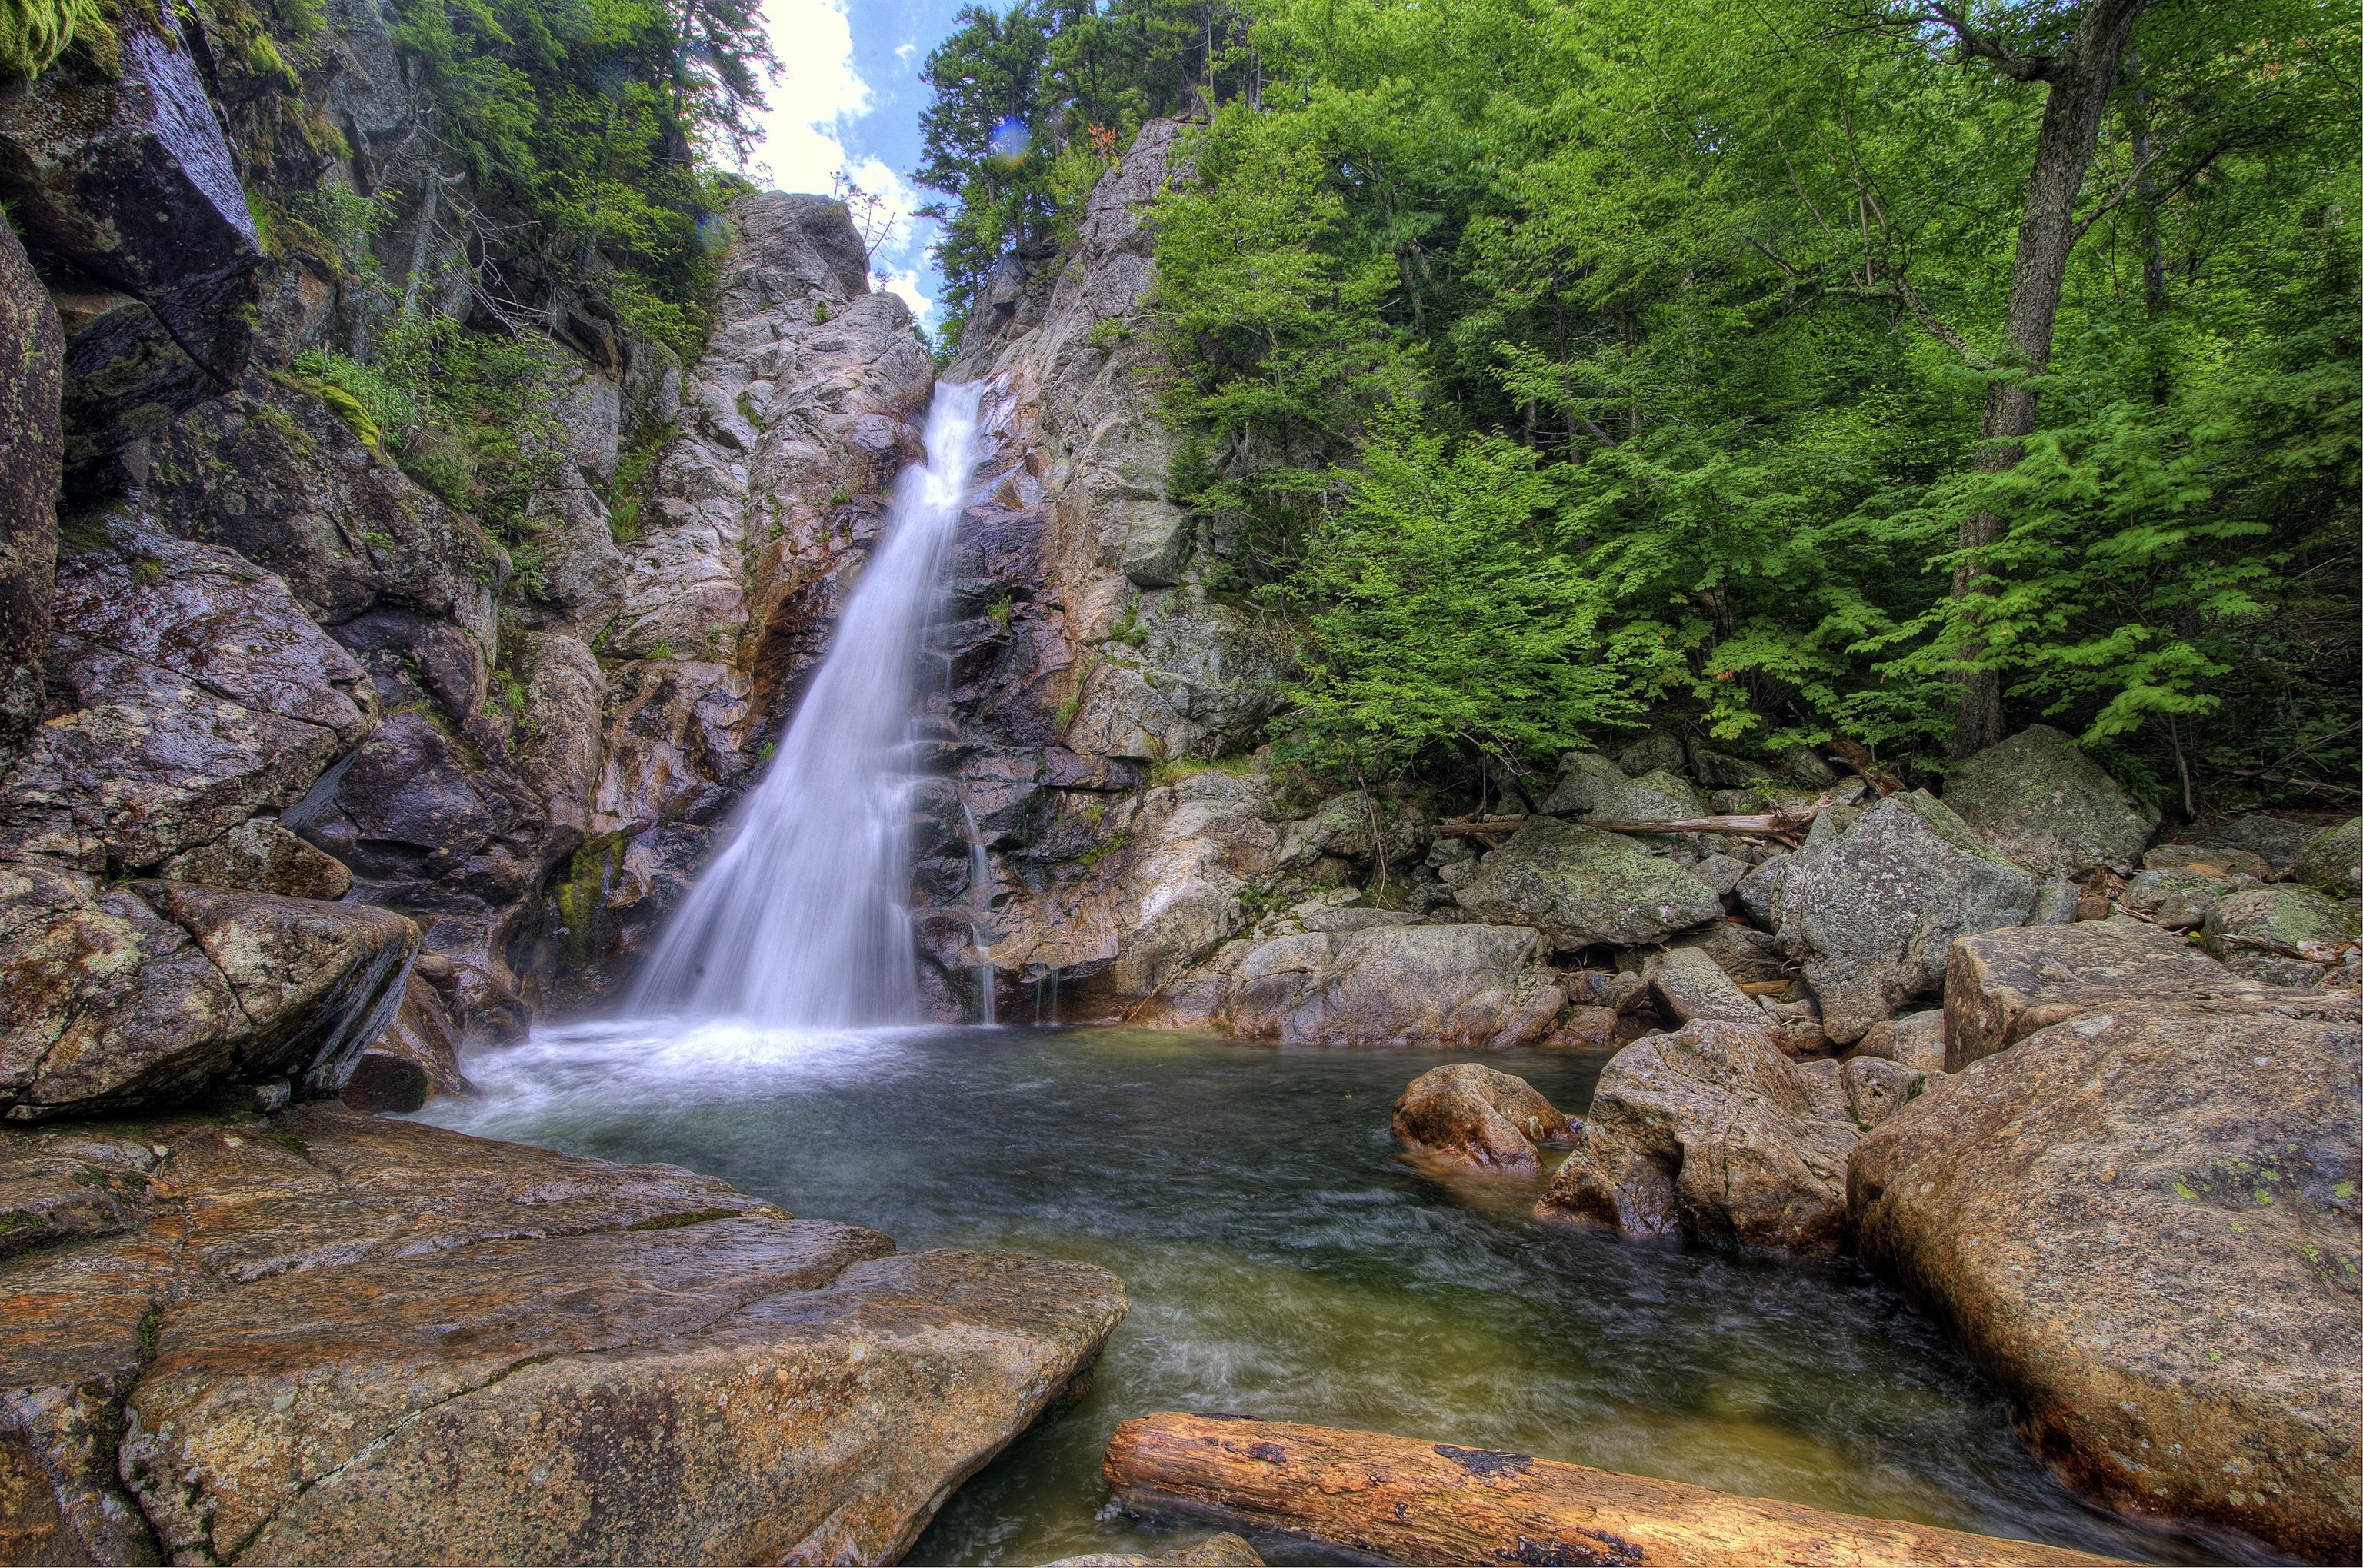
1872, 903
1460, 987
1472, 1112
325, 1338
1580, 887
2046, 805
2143, 1224
1712, 1130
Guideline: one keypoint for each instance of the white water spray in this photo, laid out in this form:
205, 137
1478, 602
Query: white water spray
800, 923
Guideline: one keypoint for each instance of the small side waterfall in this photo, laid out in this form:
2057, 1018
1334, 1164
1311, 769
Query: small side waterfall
800, 921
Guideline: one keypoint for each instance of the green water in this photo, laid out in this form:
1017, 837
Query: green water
1284, 1261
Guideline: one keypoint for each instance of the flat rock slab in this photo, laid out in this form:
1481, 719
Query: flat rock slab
2003, 986
330, 1338
1396, 1499
2144, 1224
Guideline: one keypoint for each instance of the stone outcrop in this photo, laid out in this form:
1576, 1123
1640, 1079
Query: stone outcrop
323, 1338
157, 993
2332, 860
2003, 986
1465, 987
31, 447
1712, 1131
2142, 1224
1873, 903
2282, 936
1580, 887
2046, 805
1469, 1113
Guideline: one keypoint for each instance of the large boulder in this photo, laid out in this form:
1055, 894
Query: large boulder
1580, 887
1690, 985
1712, 1130
2143, 1224
414, 1061
2282, 935
1369, 829
2332, 860
155, 993
2178, 896
29, 455
1592, 786
2003, 986
1469, 1111
1464, 987
325, 1338
1872, 905
2046, 804
1916, 1041
260, 857
202, 694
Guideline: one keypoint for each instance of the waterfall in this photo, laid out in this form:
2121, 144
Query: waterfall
800, 921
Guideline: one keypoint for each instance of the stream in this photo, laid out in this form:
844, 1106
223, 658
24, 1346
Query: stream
1285, 1260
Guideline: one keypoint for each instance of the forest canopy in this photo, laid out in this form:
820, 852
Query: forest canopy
1796, 369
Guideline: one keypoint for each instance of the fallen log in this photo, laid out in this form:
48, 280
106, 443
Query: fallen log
1479, 827
1393, 1500
1772, 824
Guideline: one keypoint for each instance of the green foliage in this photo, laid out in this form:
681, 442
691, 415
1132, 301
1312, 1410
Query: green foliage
1553, 367
34, 33
635, 482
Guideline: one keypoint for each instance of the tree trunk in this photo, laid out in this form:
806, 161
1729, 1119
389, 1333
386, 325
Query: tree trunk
1392, 1499
2079, 82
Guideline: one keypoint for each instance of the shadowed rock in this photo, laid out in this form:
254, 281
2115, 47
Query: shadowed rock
30, 445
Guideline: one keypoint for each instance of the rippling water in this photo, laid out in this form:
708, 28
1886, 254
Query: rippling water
1284, 1261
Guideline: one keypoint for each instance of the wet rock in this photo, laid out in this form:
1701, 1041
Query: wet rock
2141, 1224
1473, 1113
1872, 903
329, 1338
2178, 899
156, 993
1916, 1040
415, 1060
130, 181
1688, 984
2280, 936
30, 449
2333, 861
1221, 1549
2046, 805
1712, 1131
1579, 887
558, 745
1464, 987
260, 857
2003, 986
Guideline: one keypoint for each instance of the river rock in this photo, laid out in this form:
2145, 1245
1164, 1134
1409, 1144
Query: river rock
1712, 1130
1746, 955
1221, 1549
1876, 1088
2046, 805
2003, 986
2282, 936
1455, 987
1690, 985
1872, 908
326, 1338
2142, 1224
152, 993
260, 857
1580, 887
415, 1060
30, 449
2334, 860
1916, 1040
2178, 898
1473, 1113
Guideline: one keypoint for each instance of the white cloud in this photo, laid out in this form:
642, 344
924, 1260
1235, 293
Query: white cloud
818, 95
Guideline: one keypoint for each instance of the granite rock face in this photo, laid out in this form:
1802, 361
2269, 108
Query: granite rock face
1465, 987
31, 447
2045, 804
1873, 903
2003, 986
1712, 1131
1579, 887
323, 1338
2142, 1222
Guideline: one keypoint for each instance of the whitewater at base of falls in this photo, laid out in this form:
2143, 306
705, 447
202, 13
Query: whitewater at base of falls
801, 921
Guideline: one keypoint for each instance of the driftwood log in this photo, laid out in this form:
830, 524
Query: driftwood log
1771, 824
1394, 1499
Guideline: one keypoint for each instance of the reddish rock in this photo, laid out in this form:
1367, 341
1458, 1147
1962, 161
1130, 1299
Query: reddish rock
1473, 1113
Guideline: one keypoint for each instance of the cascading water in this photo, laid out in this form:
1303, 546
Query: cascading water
800, 923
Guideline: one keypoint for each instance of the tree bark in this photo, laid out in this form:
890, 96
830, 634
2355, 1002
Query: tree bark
1392, 1499
2080, 81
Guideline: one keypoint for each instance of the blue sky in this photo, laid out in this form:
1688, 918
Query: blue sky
849, 99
